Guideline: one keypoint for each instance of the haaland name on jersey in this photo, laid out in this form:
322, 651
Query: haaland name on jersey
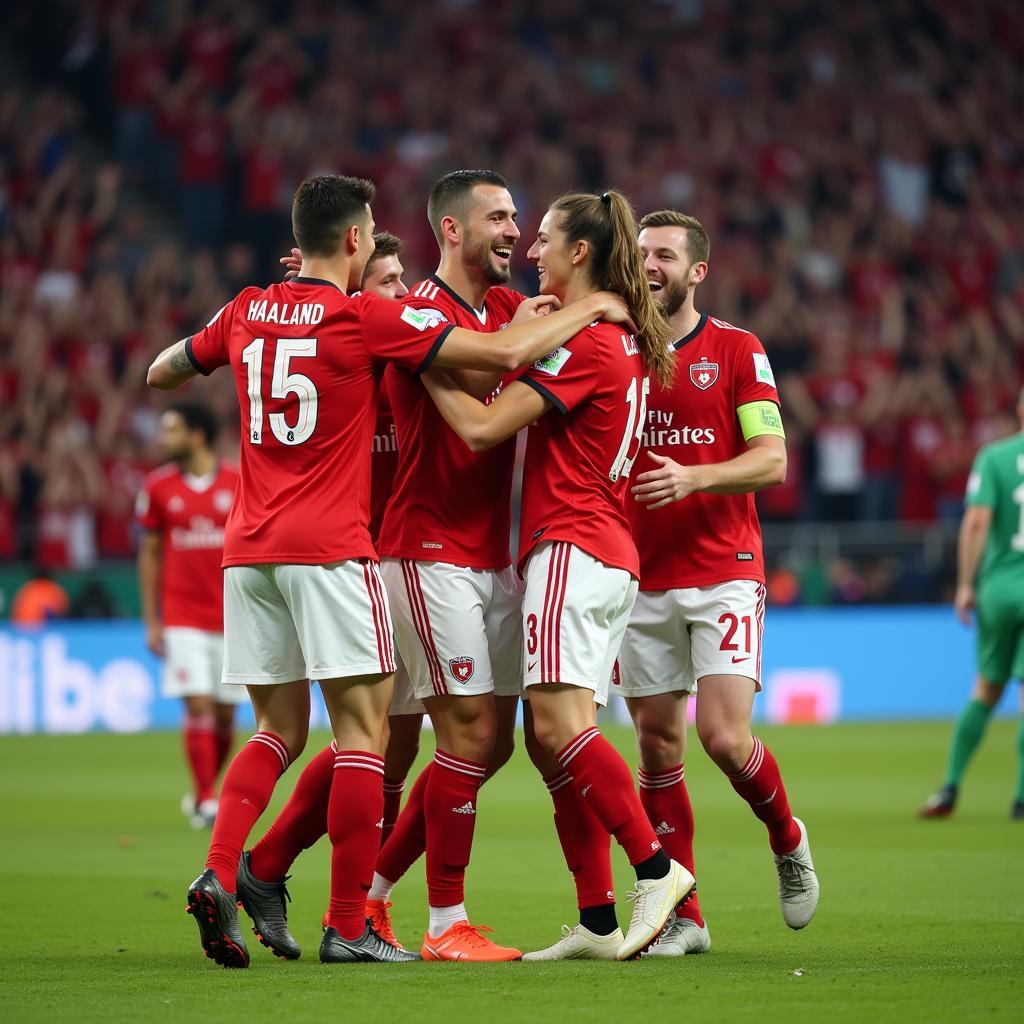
285, 312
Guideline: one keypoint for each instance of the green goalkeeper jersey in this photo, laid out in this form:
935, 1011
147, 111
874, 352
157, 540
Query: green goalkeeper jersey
997, 482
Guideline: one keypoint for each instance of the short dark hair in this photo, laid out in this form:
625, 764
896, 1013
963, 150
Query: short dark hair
325, 207
386, 244
197, 417
450, 195
698, 245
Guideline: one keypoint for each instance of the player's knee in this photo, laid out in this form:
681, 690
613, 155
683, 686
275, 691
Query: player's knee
659, 748
727, 749
988, 693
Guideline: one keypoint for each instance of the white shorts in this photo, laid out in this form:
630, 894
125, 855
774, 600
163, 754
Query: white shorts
457, 628
193, 664
288, 622
404, 700
575, 611
676, 637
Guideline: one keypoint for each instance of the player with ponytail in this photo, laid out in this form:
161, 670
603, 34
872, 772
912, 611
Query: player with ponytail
585, 404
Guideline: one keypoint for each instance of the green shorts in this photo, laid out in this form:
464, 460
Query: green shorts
999, 647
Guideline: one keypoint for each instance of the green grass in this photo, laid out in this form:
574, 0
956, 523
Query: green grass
918, 920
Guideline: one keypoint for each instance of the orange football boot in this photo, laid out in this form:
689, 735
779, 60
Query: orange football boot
380, 920
464, 942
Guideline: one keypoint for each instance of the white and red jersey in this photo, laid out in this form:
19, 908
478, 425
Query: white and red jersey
449, 504
384, 463
189, 513
705, 538
578, 456
307, 360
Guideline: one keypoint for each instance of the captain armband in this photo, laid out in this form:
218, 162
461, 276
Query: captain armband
760, 418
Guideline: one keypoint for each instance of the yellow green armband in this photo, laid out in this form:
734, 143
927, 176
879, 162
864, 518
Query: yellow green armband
759, 418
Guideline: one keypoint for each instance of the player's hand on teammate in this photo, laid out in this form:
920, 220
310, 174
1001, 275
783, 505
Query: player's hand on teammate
539, 305
669, 482
291, 263
963, 602
613, 309
155, 638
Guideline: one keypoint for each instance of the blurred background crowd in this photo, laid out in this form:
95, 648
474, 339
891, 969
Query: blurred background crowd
858, 167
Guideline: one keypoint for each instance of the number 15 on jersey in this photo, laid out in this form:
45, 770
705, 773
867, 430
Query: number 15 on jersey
282, 385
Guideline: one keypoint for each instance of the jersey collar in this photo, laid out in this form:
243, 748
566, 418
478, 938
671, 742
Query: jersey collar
693, 334
314, 280
480, 314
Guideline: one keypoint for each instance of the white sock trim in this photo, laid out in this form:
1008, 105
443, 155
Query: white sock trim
442, 918
380, 888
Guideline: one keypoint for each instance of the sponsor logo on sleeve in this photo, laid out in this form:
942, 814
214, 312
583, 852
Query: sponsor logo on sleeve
553, 362
763, 370
703, 373
423, 319
974, 482
744, 556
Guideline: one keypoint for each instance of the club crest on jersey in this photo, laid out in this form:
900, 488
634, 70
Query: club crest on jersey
462, 668
222, 500
703, 374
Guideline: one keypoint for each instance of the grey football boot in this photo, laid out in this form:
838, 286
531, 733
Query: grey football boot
214, 910
266, 903
369, 948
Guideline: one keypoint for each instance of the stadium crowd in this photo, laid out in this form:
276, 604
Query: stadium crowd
857, 166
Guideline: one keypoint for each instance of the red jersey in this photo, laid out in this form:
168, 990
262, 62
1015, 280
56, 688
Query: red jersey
189, 514
307, 360
705, 538
449, 504
578, 456
384, 463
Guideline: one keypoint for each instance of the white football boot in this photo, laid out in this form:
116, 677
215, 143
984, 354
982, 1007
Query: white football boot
680, 937
654, 899
580, 943
798, 883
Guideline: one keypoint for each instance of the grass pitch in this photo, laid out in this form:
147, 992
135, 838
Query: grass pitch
918, 920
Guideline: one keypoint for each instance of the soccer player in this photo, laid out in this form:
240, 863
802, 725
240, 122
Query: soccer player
303, 597
303, 819
586, 400
990, 582
446, 563
182, 509
710, 441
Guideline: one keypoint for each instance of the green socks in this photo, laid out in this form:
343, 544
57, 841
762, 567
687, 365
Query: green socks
970, 727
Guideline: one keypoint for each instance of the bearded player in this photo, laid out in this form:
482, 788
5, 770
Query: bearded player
712, 440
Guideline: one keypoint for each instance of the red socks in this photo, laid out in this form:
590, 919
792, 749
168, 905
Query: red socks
355, 808
759, 782
248, 786
449, 805
585, 843
201, 752
664, 798
302, 821
601, 778
392, 803
408, 839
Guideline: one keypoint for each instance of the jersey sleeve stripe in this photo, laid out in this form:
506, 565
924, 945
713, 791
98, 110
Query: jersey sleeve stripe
434, 349
196, 365
545, 393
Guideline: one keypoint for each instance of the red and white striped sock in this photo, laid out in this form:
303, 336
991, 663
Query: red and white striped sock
759, 782
586, 845
302, 821
664, 798
450, 808
353, 814
603, 780
244, 795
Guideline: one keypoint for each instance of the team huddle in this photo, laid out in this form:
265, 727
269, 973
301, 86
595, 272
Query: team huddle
366, 548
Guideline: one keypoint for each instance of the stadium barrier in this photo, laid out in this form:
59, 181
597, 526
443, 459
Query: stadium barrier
820, 666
